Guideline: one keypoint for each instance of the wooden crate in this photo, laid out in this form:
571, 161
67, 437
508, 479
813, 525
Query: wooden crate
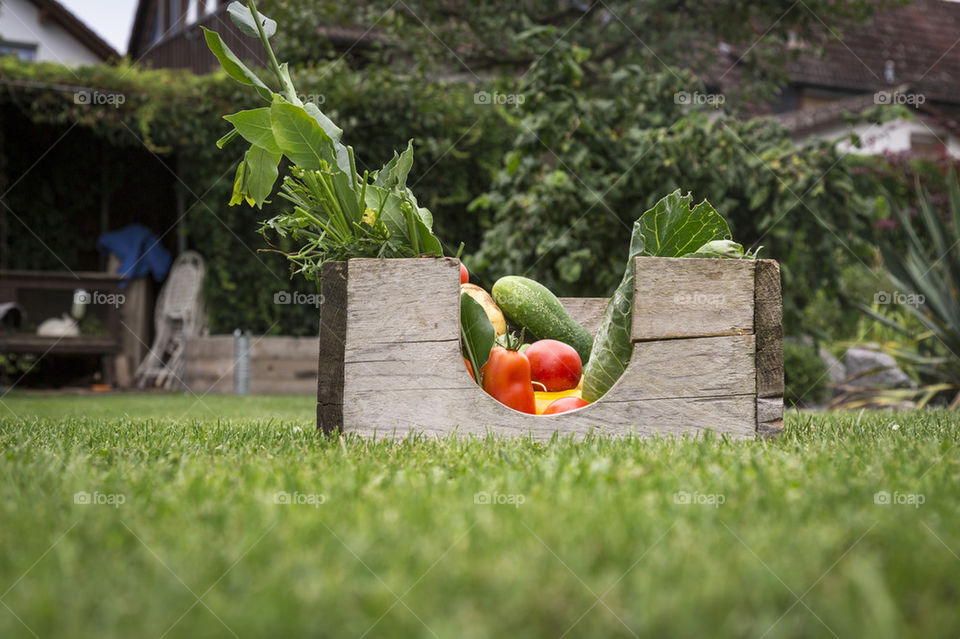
707, 353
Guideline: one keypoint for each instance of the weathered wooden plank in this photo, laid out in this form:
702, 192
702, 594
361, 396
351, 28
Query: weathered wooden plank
683, 297
403, 300
471, 411
283, 348
333, 334
587, 311
281, 370
768, 321
405, 366
769, 416
210, 347
698, 367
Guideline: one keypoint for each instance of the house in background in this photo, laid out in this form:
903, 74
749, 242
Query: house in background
166, 34
907, 55
45, 31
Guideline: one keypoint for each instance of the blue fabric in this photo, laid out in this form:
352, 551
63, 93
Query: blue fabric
139, 251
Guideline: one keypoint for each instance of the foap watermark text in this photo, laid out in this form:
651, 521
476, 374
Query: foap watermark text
684, 498
99, 98
896, 498
96, 498
484, 498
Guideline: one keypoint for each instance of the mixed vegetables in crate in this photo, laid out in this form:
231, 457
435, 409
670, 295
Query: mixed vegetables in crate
519, 343
565, 368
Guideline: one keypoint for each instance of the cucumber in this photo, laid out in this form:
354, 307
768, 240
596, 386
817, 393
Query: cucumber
532, 306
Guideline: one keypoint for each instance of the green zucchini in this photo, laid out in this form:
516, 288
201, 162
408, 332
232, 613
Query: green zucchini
532, 306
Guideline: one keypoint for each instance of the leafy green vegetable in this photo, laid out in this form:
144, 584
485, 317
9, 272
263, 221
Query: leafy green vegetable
338, 214
477, 332
232, 64
670, 229
255, 127
243, 18
718, 248
260, 173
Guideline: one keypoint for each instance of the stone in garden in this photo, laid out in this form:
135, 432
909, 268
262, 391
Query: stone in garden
860, 361
836, 369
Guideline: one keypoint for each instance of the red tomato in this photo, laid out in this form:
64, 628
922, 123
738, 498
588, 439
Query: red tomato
464, 274
506, 376
554, 364
565, 404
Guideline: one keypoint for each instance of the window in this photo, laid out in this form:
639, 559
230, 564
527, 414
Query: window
193, 10
159, 24
22, 50
176, 22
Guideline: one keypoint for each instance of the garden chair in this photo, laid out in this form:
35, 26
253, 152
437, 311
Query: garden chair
179, 315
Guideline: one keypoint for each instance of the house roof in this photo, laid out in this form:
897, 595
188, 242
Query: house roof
809, 120
51, 10
139, 23
917, 44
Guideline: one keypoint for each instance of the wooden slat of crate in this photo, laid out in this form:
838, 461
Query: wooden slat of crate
586, 311
684, 297
474, 412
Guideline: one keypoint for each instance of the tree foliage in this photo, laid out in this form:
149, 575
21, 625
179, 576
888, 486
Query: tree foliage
474, 37
583, 169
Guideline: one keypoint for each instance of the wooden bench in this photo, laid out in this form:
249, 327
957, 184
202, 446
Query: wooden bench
15, 285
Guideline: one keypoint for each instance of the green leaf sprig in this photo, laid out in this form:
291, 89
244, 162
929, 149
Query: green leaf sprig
337, 213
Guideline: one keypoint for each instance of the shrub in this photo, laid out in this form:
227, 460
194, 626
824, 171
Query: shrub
586, 165
805, 374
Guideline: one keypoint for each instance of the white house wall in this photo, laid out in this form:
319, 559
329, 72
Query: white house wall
889, 137
20, 22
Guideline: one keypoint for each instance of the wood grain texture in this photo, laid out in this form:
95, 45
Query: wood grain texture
403, 369
684, 297
333, 334
697, 367
769, 416
403, 300
768, 322
278, 365
586, 311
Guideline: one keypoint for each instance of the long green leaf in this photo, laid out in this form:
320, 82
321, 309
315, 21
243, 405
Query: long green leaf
300, 137
261, 174
255, 127
335, 134
477, 333
243, 18
612, 347
227, 139
233, 65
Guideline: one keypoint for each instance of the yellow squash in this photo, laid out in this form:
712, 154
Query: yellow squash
494, 314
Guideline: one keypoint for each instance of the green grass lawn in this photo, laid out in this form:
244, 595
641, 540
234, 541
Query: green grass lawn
592, 539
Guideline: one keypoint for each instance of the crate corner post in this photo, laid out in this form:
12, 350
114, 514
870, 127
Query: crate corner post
768, 322
333, 335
